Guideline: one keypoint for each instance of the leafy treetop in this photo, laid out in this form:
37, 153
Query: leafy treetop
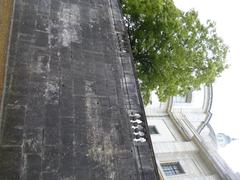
173, 51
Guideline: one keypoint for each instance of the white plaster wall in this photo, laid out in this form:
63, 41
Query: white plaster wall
196, 103
155, 111
174, 147
194, 117
167, 130
171, 146
156, 104
188, 164
193, 177
192, 164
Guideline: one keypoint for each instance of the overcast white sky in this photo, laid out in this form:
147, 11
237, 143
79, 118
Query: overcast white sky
226, 90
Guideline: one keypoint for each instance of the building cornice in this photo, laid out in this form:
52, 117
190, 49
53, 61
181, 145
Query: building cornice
209, 153
207, 105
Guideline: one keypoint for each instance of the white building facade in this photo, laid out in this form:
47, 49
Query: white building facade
184, 142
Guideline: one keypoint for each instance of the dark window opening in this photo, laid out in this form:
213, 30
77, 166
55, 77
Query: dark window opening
153, 130
171, 169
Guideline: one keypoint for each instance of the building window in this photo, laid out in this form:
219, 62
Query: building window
179, 99
171, 169
153, 130
183, 99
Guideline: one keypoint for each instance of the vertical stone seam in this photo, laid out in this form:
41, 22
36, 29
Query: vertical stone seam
74, 112
5, 21
6, 67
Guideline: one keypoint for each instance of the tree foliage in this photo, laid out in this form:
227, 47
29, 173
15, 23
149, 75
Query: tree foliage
174, 52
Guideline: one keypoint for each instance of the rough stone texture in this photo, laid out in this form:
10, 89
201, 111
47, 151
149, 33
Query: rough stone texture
70, 88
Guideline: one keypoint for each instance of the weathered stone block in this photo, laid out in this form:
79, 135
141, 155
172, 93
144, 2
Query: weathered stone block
50, 162
10, 162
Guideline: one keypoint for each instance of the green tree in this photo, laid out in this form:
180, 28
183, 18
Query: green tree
174, 52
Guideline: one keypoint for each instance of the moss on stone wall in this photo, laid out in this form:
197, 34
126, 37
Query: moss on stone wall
5, 19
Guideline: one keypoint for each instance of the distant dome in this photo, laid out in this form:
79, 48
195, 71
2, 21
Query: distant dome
223, 140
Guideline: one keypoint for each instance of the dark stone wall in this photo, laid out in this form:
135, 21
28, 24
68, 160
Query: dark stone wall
69, 90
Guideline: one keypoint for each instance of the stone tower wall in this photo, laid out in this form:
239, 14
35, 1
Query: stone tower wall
70, 86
